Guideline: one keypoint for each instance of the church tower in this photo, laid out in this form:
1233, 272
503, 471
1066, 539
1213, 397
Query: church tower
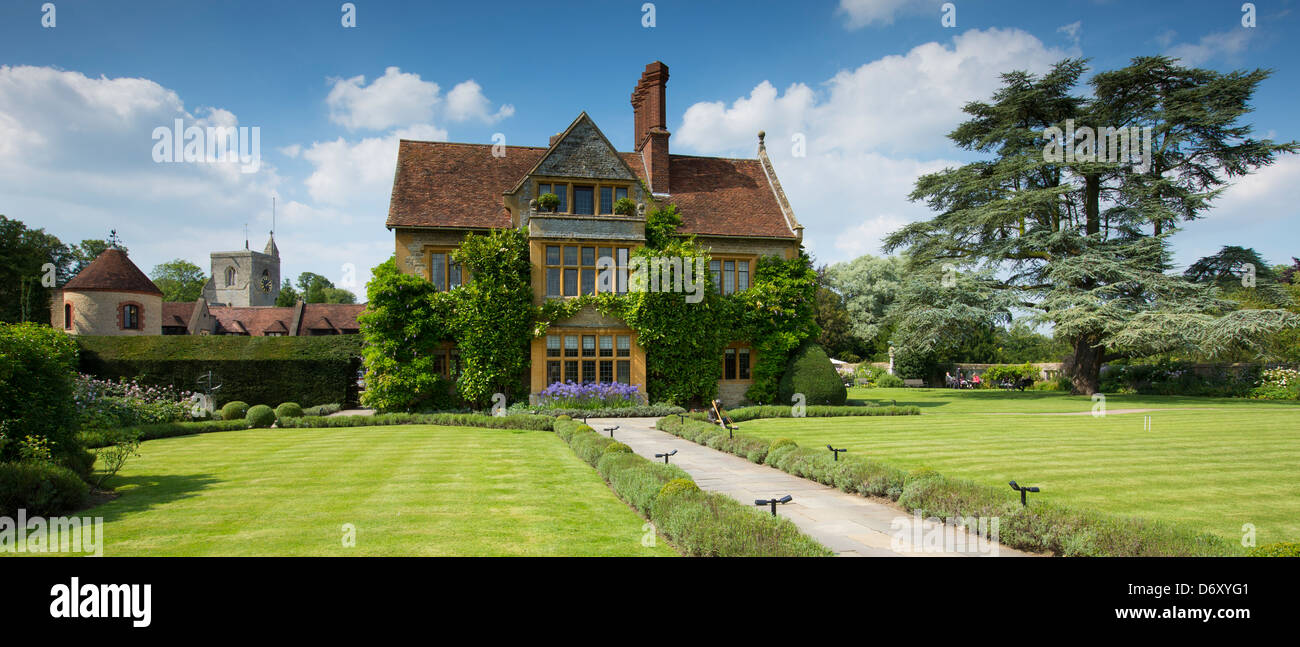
245, 277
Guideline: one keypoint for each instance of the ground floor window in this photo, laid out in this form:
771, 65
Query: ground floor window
446, 362
736, 362
588, 357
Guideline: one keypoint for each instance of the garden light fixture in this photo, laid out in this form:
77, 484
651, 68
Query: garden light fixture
665, 456
836, 452
1022, 491
772, 502
611, 430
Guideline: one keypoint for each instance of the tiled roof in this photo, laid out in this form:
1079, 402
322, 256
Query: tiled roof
441, 184
338, 316
112, 270
177, 313
244, 320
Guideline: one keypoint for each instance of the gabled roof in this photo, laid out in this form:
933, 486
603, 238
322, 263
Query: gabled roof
177, 313
331, 316
439, 184
112, 271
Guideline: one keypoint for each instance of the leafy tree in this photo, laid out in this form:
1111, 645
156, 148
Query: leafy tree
1231, 270
1082, 243
833, 319
23, 255
288, 295
318, 289
1020, 343
88, 250
404, 324
1290, 274
869, 285
179, 280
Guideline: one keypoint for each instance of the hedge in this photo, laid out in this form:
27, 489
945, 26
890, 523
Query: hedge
1041, 527
252, 369
104, 437
640, 411
516, 421
820, 411
698, 523
1279, 549
811, 373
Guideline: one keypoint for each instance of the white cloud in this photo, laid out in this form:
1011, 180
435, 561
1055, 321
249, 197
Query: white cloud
1257, 211
360, 173
861, 13
1073, 31
394, 99
466, 102
1225, 44
869, 132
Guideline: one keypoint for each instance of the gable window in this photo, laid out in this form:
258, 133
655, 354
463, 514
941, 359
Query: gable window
230, 277
584, 200
444, 272
729, 275
736, 363
573, 270
130, 317
67, 316
607, 200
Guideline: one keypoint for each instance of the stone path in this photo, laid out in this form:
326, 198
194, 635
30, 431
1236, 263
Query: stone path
848, 524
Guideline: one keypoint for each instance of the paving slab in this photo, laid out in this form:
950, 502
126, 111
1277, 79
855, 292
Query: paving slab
848, 524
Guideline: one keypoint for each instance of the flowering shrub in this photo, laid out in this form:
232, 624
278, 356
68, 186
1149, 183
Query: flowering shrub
104, 404
1278, 384
571, 395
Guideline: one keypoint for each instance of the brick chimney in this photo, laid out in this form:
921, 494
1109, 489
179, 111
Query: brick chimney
649, 118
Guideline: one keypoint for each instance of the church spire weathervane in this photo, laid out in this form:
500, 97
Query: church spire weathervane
113, 240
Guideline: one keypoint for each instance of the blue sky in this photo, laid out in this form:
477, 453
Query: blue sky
871, 85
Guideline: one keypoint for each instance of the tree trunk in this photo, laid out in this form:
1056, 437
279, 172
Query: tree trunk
1084, 366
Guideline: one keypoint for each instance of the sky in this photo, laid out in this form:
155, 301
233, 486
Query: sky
867, 88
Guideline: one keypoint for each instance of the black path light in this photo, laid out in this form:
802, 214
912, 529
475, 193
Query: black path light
772, 502
836, 451
1022, 490
665, 456
611, 430
731, 431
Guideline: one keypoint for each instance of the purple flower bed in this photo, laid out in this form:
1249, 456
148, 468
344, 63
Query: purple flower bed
571, 395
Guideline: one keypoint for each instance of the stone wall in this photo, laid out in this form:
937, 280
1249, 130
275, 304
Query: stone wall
97, 313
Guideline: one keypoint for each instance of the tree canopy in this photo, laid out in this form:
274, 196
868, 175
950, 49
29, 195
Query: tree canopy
1081, 240
179, 280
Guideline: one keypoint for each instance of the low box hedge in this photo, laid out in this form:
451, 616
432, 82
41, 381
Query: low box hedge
698, 523
742, 414
1041, 527
41, 488
517, 421
252, 369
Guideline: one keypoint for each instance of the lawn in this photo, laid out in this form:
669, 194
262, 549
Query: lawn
1211, 463
408, 490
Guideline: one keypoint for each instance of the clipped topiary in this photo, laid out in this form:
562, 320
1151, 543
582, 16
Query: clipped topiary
288, 410
260, 416
616, 448
235, 410
563, 417
678, 486
811, 373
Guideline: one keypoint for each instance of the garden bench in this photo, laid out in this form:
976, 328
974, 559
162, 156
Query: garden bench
913, 383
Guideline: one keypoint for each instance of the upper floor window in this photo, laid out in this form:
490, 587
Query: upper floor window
572, 270
444, 272
584, 199
130, 317
730, 275
230, 276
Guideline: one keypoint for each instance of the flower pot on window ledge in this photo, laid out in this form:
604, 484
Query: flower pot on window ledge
548, 202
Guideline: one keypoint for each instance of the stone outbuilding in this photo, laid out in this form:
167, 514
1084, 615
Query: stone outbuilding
111, 296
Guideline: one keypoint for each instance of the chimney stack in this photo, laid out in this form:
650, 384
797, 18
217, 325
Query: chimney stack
649, 118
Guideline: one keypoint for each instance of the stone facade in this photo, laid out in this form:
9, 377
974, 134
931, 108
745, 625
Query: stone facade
99, 312
244, 277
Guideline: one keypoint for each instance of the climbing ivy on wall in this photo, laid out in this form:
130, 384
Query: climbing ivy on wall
492, 321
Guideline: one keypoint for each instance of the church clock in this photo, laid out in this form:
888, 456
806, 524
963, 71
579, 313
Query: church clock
266, 283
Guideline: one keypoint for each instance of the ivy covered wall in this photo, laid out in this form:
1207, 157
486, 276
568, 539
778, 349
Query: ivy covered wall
492, 320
